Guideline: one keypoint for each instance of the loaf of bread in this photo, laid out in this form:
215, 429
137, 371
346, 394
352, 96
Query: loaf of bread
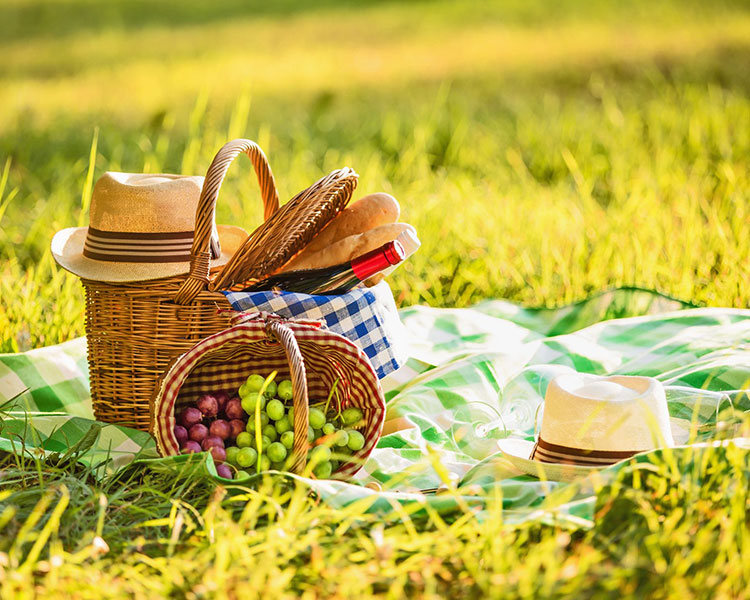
366, 213
347, 248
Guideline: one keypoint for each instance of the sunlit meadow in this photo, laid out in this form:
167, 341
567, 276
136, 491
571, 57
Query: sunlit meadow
543, 152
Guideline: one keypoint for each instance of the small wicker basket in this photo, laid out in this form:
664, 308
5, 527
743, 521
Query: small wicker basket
135, 329
313, 357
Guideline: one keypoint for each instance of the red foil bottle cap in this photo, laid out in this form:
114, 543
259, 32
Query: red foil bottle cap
376, 260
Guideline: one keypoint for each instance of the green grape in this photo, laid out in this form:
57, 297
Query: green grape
278, 466
269, 431
264, 443
251, 421
285, 390
276, 452
275, 410
320, 454
342, 438
283, 425
243, 440
270, 390
254, 382
317, 418
290, 414
287, 438
335, 465
310, 435
317, 433
351, 415
356, 440
249, 402
328, 428
243, 391
265, 463
323, 470
247, 457
232, 453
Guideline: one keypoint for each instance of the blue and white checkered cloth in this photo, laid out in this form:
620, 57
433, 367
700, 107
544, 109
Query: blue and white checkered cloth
367, 316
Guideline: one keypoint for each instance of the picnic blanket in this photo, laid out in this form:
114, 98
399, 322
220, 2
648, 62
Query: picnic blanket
474, 376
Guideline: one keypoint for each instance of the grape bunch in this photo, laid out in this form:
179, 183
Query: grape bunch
209, 426
254, 431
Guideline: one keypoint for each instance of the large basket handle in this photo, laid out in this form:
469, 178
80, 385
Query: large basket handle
277, 330
200, 255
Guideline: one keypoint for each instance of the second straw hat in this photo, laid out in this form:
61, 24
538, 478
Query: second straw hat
590, 422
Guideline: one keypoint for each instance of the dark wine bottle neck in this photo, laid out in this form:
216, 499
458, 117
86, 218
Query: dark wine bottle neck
336, 279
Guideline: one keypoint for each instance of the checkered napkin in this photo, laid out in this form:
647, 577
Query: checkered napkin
367, 316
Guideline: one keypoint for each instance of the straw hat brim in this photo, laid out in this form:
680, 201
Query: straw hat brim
67, 250
517, 452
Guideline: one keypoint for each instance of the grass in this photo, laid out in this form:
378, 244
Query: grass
659, 533
543, 153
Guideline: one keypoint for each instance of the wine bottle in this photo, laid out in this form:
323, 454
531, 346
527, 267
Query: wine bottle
338, 279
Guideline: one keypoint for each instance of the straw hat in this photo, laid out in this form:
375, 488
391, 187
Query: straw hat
590, 422
140, 228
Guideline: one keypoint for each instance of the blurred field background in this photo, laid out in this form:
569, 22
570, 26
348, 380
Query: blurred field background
544, 151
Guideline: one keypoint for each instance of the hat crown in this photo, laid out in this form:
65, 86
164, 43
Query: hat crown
617, 414
141, 228
145, 203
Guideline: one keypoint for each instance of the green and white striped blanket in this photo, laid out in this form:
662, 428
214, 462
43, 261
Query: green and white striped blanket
475, 376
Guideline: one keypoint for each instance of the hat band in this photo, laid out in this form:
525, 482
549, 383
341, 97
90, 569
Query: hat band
554, 453
155, 247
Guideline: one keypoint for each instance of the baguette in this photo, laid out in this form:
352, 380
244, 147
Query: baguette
366, 213
348, 248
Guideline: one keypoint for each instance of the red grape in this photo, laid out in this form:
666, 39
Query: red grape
212, 442
221, 399
198, 432
224, 471
233, 409
220, 428
180, 434
237, 426
208, 405
219, 454
191, 447
189, 417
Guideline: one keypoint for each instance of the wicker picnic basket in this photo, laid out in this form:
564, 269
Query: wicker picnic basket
313, 357
135, 329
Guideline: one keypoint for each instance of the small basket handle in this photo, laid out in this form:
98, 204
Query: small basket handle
200, 254
281, 332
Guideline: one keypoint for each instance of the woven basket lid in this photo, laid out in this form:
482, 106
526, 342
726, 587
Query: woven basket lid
288, 230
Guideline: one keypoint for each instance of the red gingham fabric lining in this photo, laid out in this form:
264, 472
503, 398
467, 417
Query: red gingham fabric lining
223, 361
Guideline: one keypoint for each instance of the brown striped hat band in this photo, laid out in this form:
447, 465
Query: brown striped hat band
553, 453
156, 247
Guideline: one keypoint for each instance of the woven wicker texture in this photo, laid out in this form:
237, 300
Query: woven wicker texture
288, 230
132, 334
312, 357
205, 214
134, 330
